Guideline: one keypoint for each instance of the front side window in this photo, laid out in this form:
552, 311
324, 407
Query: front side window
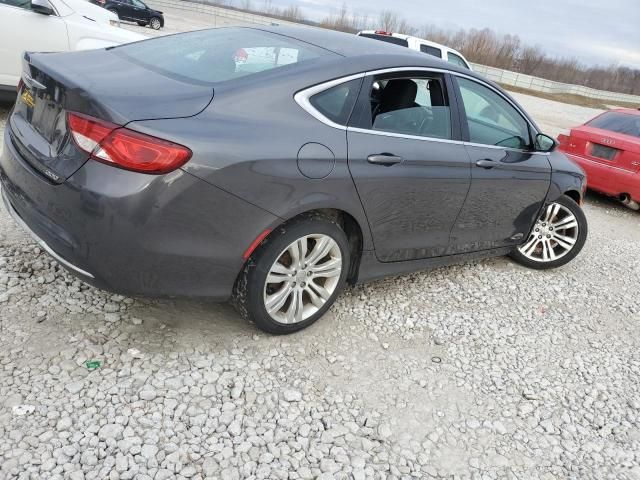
411, 106
137, 3
456, 60
337, 102
491, 119
218, 55
618, 122
436, 52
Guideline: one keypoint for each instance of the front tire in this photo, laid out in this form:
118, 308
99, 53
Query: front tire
155, 23
294, 277
556, 238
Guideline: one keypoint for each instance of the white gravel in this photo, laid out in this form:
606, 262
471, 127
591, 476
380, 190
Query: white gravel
482, 371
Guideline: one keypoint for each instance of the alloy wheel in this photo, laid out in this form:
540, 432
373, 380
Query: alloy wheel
553, 236
155, 24
303, 278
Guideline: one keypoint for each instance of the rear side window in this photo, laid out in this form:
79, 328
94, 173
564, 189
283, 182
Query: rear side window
219, 55
337, 102
416, 106
436, 52
387, 38
618, 122
456, 60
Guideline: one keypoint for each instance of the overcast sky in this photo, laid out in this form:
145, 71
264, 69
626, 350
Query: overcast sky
594, 31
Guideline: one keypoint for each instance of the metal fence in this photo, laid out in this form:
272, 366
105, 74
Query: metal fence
226, 16
549, 86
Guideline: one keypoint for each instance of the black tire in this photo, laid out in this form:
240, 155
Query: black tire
583, 230
113, 10
155, 23
142, 24
248, 294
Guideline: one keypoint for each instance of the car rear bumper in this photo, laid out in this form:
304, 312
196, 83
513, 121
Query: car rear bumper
608, 179
135, 234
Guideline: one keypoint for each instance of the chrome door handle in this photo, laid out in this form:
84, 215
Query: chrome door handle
385, 159
487, 163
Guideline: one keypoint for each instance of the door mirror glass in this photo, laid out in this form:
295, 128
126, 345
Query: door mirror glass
41, 6
544, 143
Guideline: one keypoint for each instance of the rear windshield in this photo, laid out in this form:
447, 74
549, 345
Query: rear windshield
218, 55
386, 38
618, 122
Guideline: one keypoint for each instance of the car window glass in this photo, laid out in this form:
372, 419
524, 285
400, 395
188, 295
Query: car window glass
456, 60
17, 3
411, 106
337, 102
491, 119
138, 4
218, 55
436, 52
618, 122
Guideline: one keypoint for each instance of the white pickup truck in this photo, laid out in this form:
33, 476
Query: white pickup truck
52, 26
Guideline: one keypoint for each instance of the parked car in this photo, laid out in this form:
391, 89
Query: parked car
134, 11
51, 25
324, 166
608, 149
419, 44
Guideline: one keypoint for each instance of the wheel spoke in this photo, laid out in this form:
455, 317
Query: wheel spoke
315, 299
331, 268
321, 291
274, 302
294, 312
530, 246
566, 223
552, 211
280, 269
564, 241
548, 251
320, 250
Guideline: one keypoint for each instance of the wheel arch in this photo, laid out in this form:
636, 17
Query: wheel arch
351, 226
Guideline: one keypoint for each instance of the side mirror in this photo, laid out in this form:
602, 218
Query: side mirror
41, 6
545, 143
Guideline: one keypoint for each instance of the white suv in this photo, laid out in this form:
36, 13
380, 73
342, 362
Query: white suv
52, 26
425, 46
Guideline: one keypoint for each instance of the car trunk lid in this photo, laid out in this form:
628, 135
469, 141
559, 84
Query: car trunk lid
96, 83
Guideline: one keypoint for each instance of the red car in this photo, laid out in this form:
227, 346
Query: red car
608, 149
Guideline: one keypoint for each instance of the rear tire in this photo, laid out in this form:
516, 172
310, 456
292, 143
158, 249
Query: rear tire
556, 238
155, 23
294, 276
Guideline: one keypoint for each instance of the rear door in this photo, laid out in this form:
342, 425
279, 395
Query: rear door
25, 30
509, 181
409, 166
125, 10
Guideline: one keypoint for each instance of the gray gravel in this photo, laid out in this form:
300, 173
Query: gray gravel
481, 371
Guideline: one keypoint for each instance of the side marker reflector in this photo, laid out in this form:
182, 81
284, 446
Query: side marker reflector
255, 244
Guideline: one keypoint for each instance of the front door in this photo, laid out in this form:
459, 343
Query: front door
410, 168
509, 181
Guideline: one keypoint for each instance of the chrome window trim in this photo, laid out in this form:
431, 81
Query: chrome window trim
302, 98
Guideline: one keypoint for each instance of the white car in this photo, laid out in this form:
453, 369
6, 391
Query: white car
52, 26
421, 45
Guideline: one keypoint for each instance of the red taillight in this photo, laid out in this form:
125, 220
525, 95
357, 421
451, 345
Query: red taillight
382, 32
118, 146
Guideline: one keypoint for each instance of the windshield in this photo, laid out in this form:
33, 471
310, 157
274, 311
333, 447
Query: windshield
219, 55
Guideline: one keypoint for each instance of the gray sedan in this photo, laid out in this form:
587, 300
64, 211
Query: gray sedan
273, 166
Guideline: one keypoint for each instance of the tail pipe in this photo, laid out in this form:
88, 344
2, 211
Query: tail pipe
629, 202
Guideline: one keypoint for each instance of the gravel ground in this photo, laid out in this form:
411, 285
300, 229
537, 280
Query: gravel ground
481, 371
